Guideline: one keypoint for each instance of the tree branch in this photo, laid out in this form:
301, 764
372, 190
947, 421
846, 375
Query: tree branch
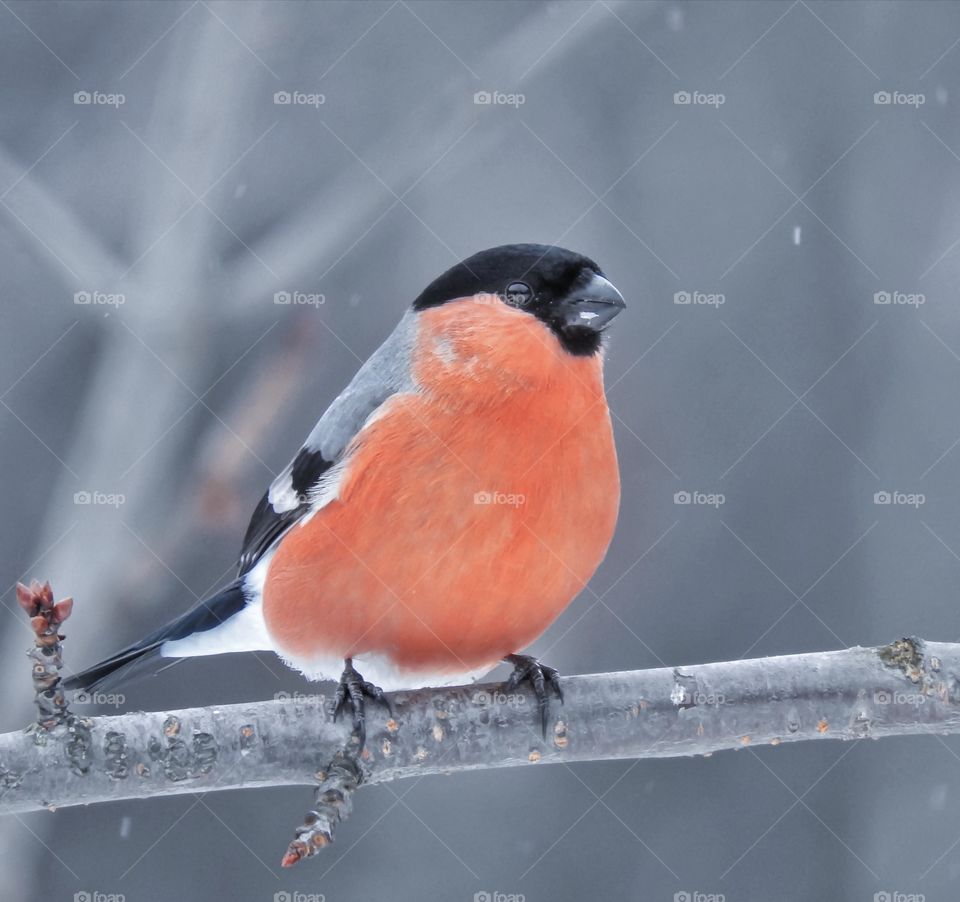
909, 687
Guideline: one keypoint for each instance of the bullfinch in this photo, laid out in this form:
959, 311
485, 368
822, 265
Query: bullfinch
447, 506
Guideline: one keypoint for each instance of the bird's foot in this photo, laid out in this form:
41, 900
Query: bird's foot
353, 691
540, 677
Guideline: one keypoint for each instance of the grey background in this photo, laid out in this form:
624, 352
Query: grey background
798, 398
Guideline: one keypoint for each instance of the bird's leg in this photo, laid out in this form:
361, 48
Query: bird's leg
353, 690
540, 677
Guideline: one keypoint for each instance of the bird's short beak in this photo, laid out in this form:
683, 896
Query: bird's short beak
592, 306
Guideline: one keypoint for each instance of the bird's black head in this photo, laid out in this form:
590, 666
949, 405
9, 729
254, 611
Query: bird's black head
563, 289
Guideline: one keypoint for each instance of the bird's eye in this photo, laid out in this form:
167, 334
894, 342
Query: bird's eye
518, 294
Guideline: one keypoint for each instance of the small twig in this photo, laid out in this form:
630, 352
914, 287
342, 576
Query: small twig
334, 804
46, 617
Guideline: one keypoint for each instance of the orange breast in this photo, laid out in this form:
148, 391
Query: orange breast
470, 513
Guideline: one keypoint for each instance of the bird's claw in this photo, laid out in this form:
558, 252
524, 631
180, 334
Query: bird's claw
541, 678
353, 691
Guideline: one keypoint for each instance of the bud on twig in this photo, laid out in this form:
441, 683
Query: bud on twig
45, 620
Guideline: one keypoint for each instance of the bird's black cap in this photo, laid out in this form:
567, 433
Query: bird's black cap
562, 288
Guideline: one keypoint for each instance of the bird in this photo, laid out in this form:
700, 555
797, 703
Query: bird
447, 506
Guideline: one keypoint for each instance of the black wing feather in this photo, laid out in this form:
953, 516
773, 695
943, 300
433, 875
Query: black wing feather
267, 524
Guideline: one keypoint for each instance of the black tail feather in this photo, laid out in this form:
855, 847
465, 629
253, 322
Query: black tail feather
141, 657
112, 671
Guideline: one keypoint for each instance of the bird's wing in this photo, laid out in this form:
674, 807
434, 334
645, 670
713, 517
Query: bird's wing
298, 489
